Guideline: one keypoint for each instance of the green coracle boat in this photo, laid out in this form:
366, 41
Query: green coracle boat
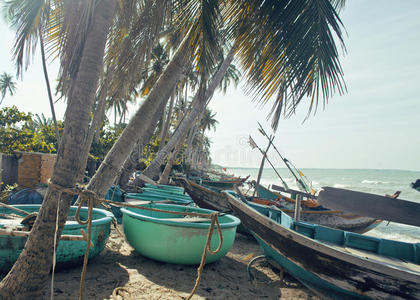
163, 187
150, 193
159, 196
68, 252
173, 238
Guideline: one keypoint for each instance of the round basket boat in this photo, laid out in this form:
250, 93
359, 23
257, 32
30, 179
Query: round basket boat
68, 252
158, 196
174, 238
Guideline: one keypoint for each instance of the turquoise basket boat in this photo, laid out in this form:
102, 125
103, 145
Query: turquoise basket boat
166, 237
68, 252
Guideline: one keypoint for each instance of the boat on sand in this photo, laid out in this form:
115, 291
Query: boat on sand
174, 238
333, 263
69, 252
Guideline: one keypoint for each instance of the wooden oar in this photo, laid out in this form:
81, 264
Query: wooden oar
371, 205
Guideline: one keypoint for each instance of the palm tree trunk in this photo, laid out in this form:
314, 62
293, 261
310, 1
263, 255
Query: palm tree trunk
47, 82
28, 277
190, 141
136, 129
187, 122
133, 159
164, 179
98, 115
165, 128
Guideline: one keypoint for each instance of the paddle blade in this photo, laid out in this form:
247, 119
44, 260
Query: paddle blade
371, 205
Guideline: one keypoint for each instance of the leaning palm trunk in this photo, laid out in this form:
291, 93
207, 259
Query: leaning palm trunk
193, 133
164, 179
165, 127
187, 122
133, 159
28, 277
136, 129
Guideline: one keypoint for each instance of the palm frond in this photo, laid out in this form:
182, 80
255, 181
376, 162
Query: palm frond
202, 21
287, 48
25, 17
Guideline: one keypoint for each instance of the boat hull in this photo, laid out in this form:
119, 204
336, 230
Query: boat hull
326, 271
68, 253
204, 197
153, 236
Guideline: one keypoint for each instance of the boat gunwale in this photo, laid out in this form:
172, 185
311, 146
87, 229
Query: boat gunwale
234, 221
325, 249
106, 215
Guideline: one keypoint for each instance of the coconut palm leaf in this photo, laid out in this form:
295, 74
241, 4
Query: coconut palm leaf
202, 21
136, 28
287, 48
25, 17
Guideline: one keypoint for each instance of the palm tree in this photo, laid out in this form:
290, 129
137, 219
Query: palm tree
199, 41
6, 85
285, 49
29, 19
29, 274
208, 121
200, 101
313, 67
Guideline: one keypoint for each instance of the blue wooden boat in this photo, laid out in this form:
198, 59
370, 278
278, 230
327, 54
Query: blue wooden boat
333, 263
68, 252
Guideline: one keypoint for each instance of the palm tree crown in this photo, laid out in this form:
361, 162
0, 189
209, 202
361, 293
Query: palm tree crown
208, 121
6, 85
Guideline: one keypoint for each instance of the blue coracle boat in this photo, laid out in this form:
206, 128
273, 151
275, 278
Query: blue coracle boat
333, 263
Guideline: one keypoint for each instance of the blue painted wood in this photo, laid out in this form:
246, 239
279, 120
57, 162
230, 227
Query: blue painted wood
320, 257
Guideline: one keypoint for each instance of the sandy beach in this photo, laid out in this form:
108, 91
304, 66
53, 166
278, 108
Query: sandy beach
142, 278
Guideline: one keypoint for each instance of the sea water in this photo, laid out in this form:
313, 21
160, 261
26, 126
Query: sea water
379, 182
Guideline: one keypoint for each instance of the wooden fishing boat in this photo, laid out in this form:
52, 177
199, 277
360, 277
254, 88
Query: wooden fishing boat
333, 263
68, 252
203, 196
223, 184
206, 198
174, 238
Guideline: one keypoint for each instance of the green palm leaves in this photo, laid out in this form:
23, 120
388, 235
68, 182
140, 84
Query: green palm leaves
288, 50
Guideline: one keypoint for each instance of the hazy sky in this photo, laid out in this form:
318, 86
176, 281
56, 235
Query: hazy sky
375, 125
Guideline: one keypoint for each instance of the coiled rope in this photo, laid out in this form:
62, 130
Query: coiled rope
92, 199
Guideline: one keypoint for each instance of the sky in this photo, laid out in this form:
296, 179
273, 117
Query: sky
375, 125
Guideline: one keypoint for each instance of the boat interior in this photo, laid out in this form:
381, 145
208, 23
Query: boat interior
391, 252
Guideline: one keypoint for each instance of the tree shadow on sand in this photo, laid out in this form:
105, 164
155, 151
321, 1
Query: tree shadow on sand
225, 279
104, 273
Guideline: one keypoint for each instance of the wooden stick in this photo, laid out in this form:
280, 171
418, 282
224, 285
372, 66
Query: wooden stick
14, 208
64, 237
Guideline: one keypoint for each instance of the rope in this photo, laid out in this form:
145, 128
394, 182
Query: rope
89, 236
55, 249
91, 198
207, 247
